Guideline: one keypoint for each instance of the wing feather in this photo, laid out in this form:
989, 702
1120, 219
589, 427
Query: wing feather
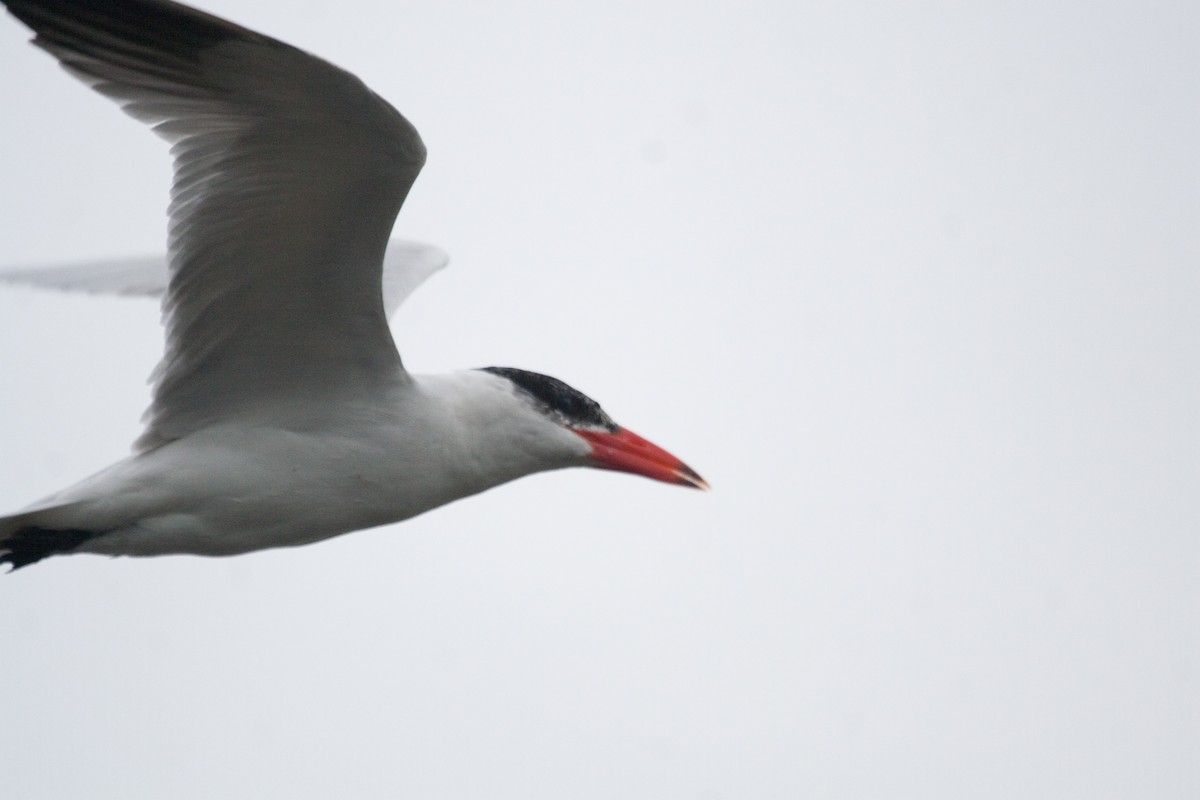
406, 265
289, 173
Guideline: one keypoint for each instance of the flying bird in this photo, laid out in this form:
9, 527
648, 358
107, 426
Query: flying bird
281, 413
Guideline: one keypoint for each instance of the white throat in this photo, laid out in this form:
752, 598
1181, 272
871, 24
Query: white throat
479, 425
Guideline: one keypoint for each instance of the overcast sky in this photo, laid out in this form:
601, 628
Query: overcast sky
913, 285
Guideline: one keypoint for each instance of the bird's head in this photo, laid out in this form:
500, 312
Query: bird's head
610, 445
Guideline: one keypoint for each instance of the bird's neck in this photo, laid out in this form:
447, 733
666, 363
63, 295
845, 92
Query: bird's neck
477, 428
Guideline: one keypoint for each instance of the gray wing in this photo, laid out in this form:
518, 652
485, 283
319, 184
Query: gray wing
289, 173
141, 276
406, 265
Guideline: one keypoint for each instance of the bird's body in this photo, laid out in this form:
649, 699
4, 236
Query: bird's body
287, 480
282, 414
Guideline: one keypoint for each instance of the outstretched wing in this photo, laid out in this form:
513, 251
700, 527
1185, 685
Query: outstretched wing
289, 173
138, 276
406, 265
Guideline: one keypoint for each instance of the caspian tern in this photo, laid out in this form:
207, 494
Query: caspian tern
281, 413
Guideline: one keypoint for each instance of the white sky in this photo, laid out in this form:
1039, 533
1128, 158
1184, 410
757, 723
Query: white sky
913, 285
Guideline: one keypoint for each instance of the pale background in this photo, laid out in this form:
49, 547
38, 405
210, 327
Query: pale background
914, 285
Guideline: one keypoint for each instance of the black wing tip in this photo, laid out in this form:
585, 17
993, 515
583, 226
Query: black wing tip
31, 544
150, 23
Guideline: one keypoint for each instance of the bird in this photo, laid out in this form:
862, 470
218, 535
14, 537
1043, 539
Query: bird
281, 413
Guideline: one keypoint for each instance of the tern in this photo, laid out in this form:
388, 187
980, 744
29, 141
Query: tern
281, 413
